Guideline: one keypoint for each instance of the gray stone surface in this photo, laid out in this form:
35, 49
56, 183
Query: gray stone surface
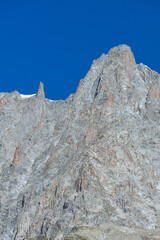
92, 160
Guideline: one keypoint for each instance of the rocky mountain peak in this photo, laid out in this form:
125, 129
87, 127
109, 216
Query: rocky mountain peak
120, 50
87, 167
124, 55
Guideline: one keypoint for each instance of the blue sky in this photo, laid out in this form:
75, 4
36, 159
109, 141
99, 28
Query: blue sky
56, 41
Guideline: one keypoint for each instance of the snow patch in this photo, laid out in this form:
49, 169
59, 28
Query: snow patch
27, 96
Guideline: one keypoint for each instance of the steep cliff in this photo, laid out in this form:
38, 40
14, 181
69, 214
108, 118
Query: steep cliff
87, 167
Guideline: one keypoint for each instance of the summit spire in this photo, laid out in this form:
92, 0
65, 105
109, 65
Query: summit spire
41, 93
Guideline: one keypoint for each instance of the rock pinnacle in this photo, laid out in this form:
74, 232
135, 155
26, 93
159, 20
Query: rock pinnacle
41, 93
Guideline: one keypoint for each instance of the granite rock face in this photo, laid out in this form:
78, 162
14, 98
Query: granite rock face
87, 167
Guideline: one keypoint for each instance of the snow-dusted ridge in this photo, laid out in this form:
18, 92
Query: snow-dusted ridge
24, 96
27, 96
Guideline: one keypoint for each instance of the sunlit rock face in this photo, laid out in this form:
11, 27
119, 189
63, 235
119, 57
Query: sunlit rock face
87, 167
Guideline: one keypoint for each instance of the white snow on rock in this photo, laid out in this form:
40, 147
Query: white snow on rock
26, 96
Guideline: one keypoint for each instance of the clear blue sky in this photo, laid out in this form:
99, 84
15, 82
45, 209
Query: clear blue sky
56, 41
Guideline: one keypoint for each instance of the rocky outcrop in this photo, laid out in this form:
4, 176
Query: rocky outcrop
87, 167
